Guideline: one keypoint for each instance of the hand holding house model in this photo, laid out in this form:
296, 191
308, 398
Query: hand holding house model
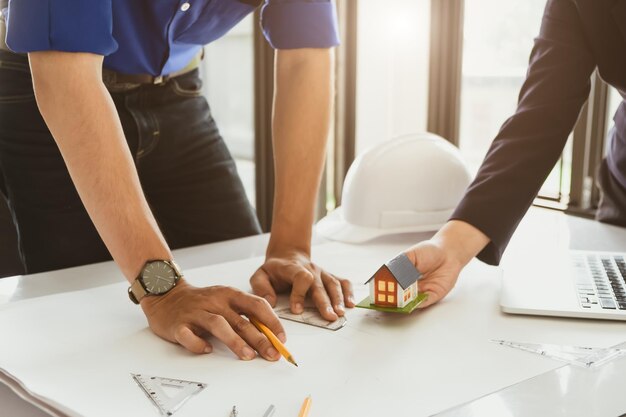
393, 288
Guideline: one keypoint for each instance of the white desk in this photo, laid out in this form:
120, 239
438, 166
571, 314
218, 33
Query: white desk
585, 234
37, 285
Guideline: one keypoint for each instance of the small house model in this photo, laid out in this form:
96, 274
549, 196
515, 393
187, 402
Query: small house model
394, 285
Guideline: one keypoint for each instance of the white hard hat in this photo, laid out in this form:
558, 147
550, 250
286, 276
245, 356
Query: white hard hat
408, 184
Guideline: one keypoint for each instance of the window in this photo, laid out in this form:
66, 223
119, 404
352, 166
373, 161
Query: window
391, 299
496, 47
227, 72
473, 77
381, 298
392, 67
381, 285
391, 286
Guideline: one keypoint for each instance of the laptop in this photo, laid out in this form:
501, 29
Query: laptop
585, 284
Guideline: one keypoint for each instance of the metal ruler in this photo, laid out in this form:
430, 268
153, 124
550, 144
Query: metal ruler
587, 357
156, 389
312, 317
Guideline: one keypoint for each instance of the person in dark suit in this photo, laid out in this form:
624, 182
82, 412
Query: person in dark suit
576, 38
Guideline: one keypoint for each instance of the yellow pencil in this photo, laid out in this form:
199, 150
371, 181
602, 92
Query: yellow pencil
306, 405
273, 340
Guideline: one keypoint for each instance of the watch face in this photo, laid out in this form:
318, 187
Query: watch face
158, 277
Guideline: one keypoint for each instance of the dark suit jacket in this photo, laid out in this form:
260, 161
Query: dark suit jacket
576, 37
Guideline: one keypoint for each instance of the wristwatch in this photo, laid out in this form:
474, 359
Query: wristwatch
156, 278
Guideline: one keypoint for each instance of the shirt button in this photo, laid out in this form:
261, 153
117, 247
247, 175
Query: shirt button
185, 7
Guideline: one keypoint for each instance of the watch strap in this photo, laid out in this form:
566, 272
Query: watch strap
177, 271
136, 291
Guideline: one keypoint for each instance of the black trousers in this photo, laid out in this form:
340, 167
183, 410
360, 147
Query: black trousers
187, 173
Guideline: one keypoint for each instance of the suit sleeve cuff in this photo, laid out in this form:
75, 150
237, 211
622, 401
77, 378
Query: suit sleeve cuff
61, 25
300, 25
498, 235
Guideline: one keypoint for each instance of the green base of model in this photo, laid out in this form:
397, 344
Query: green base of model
407, 309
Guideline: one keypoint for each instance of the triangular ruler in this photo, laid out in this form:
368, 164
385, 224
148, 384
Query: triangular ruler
167, 394
587, 357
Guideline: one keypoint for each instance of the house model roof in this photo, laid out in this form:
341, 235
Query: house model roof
403, 271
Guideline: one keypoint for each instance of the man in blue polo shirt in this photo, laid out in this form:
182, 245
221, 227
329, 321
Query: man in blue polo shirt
107, 148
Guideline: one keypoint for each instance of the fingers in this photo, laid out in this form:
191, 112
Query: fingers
322, 302
222, 330
435, 291
253, 336
259, 308
262, 286
348, 292
302, 281
190, 341
335, 293
432, 299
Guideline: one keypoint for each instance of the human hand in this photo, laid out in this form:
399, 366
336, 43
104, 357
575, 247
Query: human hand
441, 259
439, 269
294, 270
187, 314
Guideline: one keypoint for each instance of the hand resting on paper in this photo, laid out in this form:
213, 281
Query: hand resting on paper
187, 314
441, 259
293, 269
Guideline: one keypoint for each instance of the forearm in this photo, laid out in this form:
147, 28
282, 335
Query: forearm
302, 111
462, 240
83, 120
532, 140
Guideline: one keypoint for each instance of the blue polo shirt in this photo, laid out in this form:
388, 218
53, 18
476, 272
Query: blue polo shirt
159, 37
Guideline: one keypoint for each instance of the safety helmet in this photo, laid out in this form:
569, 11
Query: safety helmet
408, 184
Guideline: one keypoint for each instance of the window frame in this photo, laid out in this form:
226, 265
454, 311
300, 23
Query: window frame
588, 150
588, 134
446, 64
263, 105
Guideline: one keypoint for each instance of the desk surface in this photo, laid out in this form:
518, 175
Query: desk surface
585, 234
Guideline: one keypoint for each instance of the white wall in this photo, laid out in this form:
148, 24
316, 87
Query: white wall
392, 72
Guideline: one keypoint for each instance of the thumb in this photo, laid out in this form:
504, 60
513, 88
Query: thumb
262, 286
426, 285
426, 257
415, 256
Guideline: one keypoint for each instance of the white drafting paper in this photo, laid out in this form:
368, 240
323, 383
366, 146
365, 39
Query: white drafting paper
571, 391
78, 349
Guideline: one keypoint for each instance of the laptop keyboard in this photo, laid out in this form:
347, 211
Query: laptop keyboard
600, 280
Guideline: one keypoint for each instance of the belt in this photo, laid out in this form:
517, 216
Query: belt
111, 77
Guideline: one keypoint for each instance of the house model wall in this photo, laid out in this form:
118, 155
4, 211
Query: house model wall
395, 283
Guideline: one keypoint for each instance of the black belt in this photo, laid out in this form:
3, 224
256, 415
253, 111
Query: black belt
117, 78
